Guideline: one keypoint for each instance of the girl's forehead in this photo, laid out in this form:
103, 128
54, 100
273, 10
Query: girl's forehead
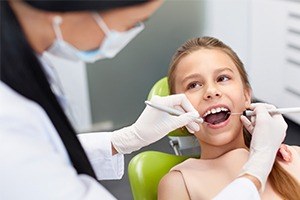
205, 59
206, 54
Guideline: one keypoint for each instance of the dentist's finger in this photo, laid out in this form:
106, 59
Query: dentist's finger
247, 124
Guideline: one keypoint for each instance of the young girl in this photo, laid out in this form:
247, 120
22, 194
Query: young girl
213, 78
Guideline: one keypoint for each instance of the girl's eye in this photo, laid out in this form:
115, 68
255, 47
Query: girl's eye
223, 78
194, 85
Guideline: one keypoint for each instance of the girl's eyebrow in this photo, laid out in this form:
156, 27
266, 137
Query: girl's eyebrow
223, 69
198, 76
192, 76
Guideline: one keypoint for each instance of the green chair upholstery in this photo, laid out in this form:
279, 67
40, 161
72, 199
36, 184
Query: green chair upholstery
145, 171
160, 88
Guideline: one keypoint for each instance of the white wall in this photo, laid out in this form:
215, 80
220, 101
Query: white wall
275, 52
228, 20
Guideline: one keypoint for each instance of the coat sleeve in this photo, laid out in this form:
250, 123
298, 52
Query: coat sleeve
97, 146
31, 169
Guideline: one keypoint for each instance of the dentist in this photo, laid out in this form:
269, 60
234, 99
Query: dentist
41, 155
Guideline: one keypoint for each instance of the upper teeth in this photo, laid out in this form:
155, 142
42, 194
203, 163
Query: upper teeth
215, 110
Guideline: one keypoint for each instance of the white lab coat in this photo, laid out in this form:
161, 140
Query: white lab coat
34, 163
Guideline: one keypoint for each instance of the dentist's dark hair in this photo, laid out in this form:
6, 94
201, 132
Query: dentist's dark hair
81, 5
281, 181
22, 71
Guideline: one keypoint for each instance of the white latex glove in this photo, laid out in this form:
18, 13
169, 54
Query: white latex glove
268, 132
154, 124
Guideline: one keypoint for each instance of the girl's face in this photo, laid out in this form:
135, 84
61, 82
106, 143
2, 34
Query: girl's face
211, 81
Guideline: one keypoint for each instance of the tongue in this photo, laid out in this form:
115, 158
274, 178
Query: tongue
216, 118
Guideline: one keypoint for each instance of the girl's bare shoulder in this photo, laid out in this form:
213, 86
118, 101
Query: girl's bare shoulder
292, 166
172, 186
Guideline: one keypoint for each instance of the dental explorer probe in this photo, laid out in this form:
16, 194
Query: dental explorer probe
171, 111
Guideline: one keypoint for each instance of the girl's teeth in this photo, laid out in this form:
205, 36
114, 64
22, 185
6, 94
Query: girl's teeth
215, 110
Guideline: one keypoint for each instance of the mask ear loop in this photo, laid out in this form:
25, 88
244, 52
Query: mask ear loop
57, 20
101, 23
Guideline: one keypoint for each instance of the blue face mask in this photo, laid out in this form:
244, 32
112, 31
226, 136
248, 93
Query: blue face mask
112, 44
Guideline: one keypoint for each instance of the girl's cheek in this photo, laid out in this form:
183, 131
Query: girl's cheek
194, 99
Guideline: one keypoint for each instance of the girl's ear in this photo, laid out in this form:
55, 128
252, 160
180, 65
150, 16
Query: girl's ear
248, 96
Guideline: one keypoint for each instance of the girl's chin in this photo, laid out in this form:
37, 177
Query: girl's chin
219, 141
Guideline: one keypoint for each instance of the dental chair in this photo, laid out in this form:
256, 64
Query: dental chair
146, 169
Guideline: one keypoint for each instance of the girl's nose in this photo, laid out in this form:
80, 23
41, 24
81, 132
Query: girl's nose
212, 92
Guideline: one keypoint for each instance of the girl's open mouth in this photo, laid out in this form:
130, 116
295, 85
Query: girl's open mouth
216, 115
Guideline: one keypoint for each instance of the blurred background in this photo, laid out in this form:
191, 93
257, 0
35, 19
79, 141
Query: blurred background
110, 94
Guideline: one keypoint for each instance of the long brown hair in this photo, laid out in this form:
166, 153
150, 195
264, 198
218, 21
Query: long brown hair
281, 181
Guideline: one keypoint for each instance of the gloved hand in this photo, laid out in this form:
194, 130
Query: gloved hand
267, 135
154, 124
